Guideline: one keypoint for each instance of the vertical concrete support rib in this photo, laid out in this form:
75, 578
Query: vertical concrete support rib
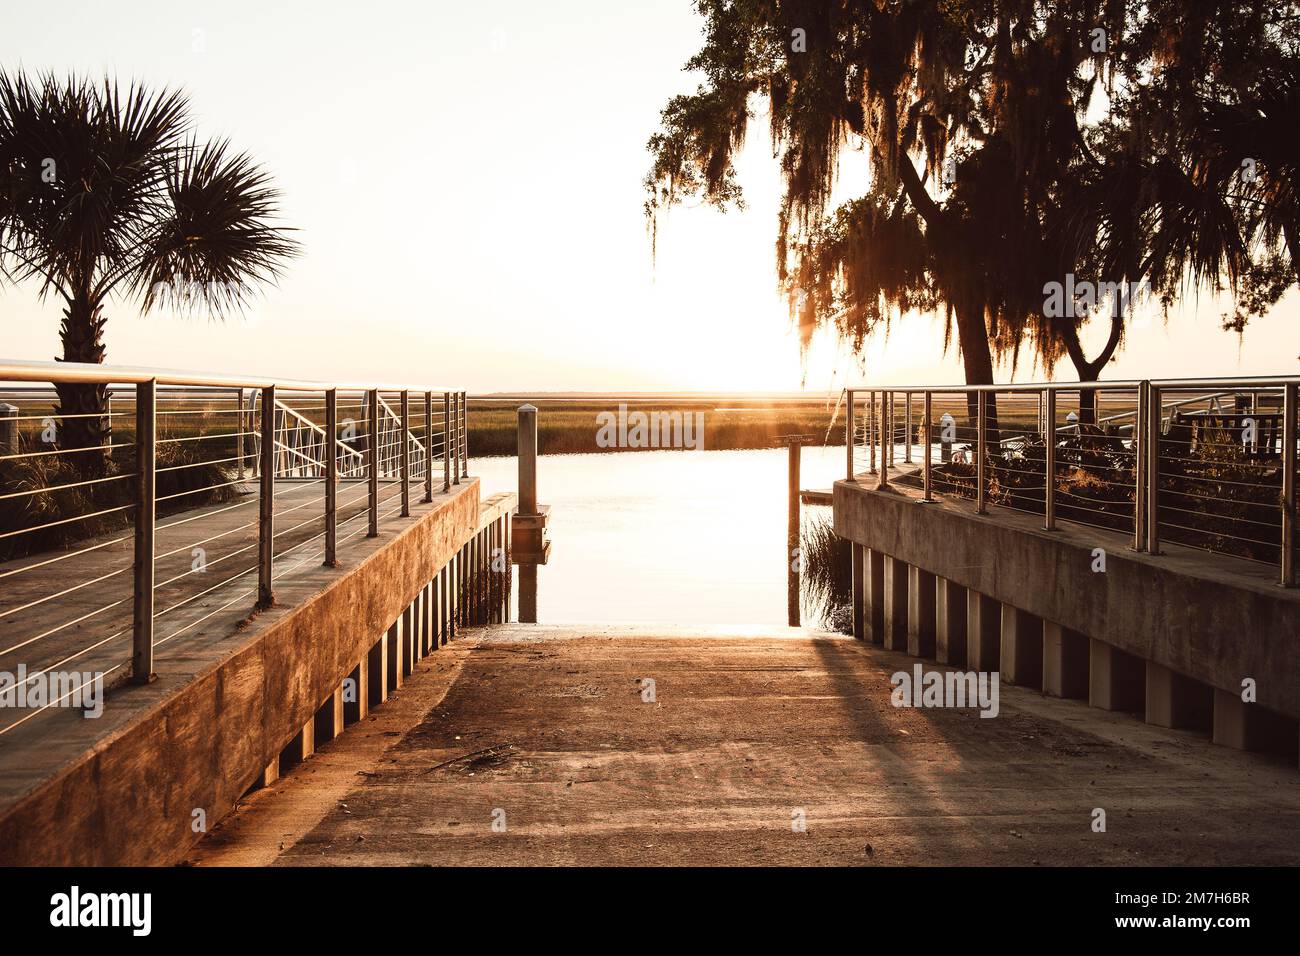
950, 623
408, 640
1065, 662
444, 606
895, 623
874, 585
426, 620
1234, 722
857, 584
377, 672
356, 695
300, 748
394, 640
1116, 680
329, 717
271, 773
920, 612
1175, 701
1022, 647
983, 632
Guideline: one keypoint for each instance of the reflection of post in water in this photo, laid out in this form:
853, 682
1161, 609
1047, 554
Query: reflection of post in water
793, 553
531, 545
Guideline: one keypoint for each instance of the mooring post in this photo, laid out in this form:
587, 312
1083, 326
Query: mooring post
793, 552
530, 545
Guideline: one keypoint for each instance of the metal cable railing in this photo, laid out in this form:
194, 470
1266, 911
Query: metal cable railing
192, 483
1208, 463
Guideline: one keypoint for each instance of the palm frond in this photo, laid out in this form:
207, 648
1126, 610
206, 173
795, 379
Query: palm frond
219, 236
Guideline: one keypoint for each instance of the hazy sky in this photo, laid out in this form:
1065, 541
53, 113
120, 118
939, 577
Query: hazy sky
466, 179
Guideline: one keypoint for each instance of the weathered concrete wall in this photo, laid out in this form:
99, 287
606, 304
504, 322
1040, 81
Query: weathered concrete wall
1212, 618
201, 735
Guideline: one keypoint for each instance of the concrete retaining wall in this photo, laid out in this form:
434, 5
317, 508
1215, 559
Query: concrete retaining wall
1211, 619
208, 729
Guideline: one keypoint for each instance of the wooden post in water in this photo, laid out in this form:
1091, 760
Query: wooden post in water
793, 553
531, 546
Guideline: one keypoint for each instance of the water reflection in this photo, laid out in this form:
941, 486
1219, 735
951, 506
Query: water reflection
665, 537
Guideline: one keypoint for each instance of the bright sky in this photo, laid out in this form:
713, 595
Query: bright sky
466, 179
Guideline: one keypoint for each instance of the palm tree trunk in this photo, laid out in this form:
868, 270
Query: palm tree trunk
83, 408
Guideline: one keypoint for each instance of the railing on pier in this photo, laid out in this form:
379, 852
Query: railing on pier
104, 544
1209, 463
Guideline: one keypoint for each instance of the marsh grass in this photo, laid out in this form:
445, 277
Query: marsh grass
570, 429
184, 470
827, 575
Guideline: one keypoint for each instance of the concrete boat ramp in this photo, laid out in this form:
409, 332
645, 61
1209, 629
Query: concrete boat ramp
549, 745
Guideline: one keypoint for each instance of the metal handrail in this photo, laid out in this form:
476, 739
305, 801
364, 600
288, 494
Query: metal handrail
285, 437
1228, 384
87, 373
1147, 432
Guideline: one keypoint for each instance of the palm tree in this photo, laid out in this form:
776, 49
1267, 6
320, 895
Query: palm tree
106, 192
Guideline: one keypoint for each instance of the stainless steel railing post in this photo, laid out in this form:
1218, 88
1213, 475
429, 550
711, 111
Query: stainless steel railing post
464, 434
453, 436
981, 452
907, 430
404, 454
849, 436
1288, 484
888, 460
871, 431
428, 446
1140, 463
331, 476
883, 481
266, 503
146, 500
446, 441
927, 424
372, 461
1153, 469
1048, 397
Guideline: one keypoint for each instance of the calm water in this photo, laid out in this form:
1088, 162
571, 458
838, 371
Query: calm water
666, 536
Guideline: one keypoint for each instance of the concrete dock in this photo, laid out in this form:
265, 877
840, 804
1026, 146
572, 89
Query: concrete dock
545, 745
